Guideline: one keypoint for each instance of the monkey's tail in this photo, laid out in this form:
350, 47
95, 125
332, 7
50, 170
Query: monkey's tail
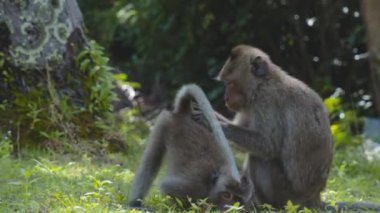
182, 104
355, 206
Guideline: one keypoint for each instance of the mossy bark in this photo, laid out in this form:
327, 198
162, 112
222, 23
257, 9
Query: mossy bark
371, 16
37, 37
39, 42
56, 88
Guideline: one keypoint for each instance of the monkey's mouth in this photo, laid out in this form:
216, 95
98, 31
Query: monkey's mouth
228, 85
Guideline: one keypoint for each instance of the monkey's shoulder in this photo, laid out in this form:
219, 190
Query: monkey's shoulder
292, 94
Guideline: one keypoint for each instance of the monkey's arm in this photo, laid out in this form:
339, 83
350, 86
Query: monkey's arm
150, 162
256, 143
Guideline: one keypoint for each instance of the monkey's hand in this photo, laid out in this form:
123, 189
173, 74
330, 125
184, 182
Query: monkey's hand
221, 118
198, 116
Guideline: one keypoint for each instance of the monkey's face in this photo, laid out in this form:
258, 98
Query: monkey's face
241, 74
233, 75
227, 192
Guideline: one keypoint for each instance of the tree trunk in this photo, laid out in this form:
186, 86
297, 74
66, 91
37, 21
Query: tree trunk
54, 84
39, 78
37, 37
371, 16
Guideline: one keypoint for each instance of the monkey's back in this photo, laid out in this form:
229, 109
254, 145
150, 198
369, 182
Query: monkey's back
193, 147
296, 120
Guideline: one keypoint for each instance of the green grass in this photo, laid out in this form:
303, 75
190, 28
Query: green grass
62, 183
45, 182
353, 178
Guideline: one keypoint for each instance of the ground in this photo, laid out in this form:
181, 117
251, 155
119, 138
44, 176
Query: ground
46, 182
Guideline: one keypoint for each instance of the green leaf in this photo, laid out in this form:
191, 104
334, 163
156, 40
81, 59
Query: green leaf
81, 56
84, 65
332, 104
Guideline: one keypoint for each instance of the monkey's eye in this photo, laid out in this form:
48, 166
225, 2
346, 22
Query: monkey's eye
226, 196
255, 64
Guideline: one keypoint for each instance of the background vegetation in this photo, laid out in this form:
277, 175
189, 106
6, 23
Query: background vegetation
60, 154
320, 42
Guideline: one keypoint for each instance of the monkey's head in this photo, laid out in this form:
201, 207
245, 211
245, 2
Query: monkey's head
242, 73
226, 191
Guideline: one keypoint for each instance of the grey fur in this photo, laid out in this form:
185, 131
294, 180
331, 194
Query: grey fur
193, 91
194, 155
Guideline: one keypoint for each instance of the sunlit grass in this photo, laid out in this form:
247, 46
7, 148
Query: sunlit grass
54, 183
353, 178
44, 182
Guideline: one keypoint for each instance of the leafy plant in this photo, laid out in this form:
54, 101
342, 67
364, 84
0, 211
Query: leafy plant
78, 118
98, 79
5, 145
345, 124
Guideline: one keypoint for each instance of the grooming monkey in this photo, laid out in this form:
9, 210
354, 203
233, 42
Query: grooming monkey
281, 124
200, 162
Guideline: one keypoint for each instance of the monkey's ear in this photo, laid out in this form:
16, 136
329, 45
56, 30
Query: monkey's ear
259, 67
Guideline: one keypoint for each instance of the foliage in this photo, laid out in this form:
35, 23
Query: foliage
98, 80
5, 146
100, 18
176, 42
49, 182
58, 119
345, 122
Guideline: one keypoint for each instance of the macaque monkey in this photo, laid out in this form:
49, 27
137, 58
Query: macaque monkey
283, 127
200, 163
281, 124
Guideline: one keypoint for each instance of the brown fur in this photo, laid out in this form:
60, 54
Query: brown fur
283, 126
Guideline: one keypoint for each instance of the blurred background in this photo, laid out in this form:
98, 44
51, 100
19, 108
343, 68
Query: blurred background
172, 42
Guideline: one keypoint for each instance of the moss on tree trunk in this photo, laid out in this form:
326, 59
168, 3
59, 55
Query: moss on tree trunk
54, 83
